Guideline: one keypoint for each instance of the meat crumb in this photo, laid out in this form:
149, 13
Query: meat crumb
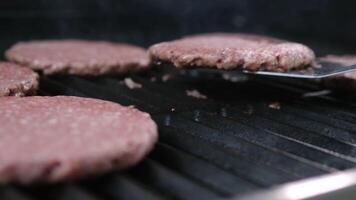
166, 77
196, 94
275, 105
131, 84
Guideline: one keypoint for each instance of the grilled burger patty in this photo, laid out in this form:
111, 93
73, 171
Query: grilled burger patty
16, 80
230, 51
79, 57
48, 139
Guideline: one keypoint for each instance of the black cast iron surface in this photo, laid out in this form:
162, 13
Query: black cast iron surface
230, 144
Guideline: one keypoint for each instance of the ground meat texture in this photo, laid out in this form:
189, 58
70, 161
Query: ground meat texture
16, 80
49, 139
345, 82
79, 57
230, 51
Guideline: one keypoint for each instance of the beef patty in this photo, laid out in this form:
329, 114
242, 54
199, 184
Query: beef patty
16, 80
48, 139
229, 51
79, 57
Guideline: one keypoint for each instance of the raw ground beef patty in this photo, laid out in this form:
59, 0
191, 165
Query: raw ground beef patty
79, 57
16, 80
230, 51
345, 82
48, 139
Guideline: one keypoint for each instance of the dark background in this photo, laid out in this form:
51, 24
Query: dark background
329, 26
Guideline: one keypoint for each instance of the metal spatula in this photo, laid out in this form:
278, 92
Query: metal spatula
321, 70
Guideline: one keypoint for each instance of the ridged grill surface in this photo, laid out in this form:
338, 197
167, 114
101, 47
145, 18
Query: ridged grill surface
230, 144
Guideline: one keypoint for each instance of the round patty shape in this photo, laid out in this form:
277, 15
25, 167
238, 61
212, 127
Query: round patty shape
230, 51
79, 57
48, 139
16, 80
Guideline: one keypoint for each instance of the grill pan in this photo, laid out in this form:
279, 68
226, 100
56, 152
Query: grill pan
231, 145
